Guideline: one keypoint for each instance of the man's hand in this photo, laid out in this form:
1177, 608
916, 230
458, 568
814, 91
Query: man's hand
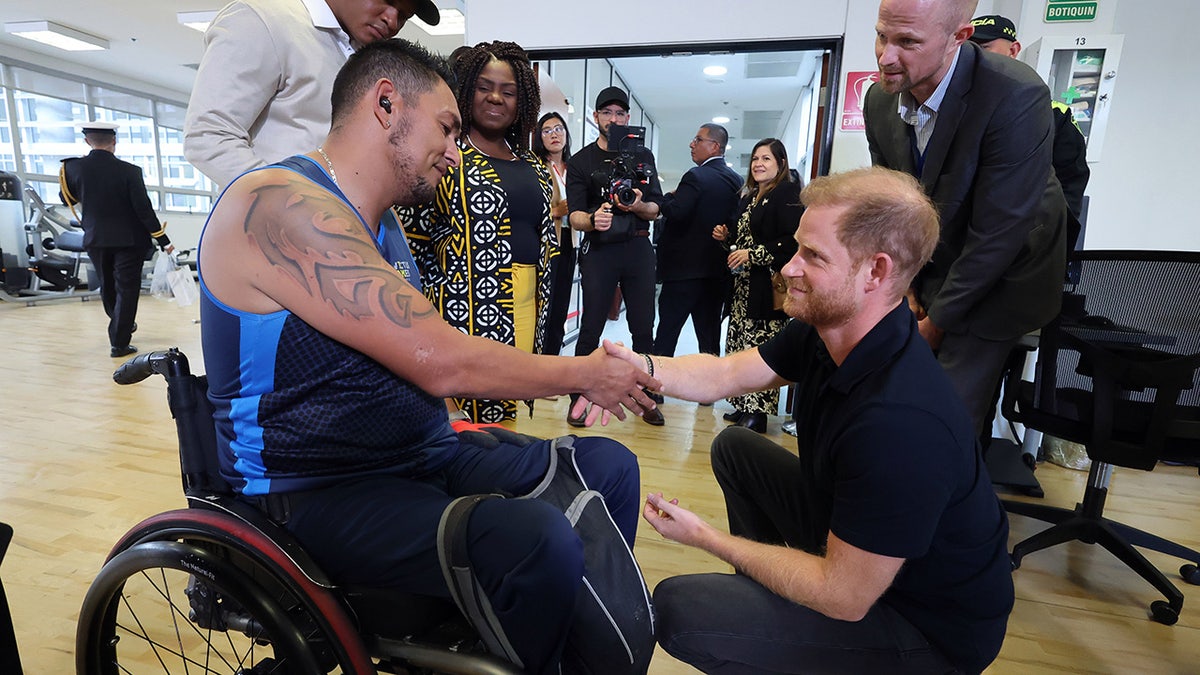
616, 383
720, 233
674, 522
602, 219
932, 334
619, 350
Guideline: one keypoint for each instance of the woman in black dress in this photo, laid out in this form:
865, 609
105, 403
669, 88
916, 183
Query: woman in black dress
760, 243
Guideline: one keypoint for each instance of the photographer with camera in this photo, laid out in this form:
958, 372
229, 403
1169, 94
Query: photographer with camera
613, 189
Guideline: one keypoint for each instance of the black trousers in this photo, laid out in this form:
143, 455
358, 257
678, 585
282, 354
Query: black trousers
629, 264
120, 272
562, 275
699, 298
729, 623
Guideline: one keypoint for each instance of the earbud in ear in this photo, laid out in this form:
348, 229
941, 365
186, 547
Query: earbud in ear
385, 104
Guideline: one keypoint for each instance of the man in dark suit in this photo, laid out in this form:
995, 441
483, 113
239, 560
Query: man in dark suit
975, 129
691, 264
117, 222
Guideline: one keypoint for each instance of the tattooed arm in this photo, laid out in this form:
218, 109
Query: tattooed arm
277, 241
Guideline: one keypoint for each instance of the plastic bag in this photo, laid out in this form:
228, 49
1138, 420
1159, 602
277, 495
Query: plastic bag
160, 285
1066, 454
183, 286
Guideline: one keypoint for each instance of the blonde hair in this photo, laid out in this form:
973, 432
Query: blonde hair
886, 212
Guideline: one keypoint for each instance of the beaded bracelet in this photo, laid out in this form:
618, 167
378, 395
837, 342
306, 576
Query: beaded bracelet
649, 365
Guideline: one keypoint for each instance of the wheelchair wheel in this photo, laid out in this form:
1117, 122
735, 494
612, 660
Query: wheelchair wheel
182, 607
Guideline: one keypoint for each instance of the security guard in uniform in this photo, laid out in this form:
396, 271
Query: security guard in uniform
117, 222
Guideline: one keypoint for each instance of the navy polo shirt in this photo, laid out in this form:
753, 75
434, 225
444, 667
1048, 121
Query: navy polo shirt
890, 464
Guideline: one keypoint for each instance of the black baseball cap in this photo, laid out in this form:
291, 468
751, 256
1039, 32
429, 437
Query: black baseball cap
993, 27
612, 95
427, 11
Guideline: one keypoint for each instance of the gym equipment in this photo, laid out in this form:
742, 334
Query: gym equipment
47, 259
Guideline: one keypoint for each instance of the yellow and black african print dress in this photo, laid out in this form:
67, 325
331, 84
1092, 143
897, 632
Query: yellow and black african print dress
460, 243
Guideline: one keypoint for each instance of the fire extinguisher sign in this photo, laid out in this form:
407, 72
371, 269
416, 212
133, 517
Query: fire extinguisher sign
857, 84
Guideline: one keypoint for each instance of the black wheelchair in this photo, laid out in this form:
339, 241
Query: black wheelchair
218, 587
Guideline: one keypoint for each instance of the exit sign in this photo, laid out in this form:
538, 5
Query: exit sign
1071, 10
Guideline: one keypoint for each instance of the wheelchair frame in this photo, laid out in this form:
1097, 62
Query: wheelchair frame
249, 581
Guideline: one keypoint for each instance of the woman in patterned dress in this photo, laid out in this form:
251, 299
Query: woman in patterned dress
760, 242
485, 243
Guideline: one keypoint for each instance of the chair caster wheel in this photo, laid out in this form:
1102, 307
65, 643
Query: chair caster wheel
1163, 613
1190, 574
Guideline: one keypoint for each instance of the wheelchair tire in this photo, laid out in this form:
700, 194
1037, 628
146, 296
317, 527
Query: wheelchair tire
144, 613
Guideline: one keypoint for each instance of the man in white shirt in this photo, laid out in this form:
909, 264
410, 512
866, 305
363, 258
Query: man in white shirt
262, 90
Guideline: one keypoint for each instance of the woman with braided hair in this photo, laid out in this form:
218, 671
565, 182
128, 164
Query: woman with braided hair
484, 245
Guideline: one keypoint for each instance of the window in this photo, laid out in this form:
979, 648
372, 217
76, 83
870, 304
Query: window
46, 108
135, 141
8, 157
46, 130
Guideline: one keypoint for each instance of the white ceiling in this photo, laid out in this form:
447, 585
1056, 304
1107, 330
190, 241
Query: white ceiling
150, 51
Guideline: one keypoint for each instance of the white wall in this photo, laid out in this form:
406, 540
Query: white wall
1139, 189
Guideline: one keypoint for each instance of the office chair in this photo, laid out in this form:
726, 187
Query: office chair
1118, 371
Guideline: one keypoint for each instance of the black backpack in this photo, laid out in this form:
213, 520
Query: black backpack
613, 628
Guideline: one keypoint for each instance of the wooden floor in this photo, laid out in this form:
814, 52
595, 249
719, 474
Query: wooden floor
84, 459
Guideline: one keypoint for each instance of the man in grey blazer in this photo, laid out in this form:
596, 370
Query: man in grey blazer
262, 88
976, 129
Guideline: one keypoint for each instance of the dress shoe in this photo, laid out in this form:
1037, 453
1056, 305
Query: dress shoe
117, 352
656, 397
654, 417
789, 427
733, 417
755, 422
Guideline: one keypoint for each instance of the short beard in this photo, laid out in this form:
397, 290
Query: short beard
891, 89
418, 189
824, 310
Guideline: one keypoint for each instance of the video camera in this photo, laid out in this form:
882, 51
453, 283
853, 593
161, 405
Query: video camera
627, 172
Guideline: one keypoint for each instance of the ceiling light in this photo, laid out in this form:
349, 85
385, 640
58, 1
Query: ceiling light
196, 20
55, 35
720, 119
453, 22
715, 71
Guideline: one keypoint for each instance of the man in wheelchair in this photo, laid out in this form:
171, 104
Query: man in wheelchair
327, 368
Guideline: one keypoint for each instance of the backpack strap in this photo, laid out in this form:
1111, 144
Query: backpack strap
460, 577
